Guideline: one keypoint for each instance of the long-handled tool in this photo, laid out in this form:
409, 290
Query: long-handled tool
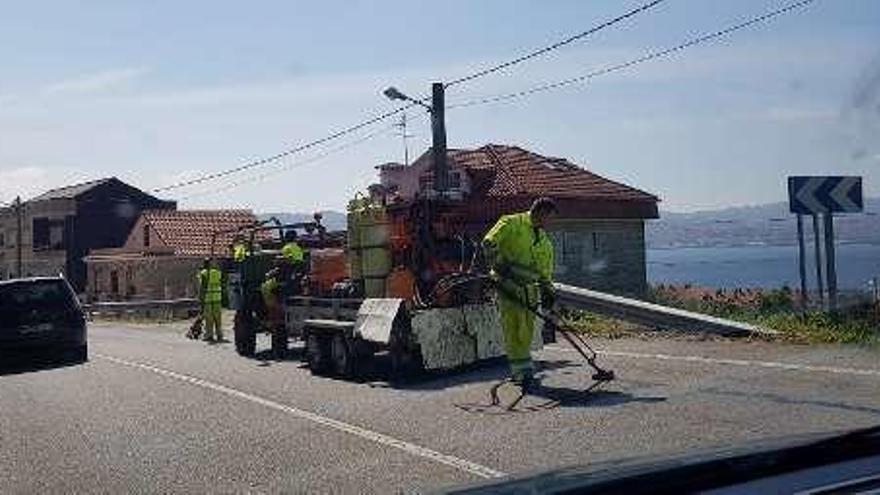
579, 344
556, 323
552, 318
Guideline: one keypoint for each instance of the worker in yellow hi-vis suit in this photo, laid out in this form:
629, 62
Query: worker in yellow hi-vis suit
521, 257
239, 249
210, 283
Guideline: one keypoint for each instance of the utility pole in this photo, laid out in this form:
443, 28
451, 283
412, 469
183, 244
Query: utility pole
18, 236
438, 134
437, 108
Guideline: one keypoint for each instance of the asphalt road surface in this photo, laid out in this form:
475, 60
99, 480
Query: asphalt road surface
153, 412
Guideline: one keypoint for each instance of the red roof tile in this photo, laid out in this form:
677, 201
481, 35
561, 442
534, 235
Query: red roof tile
513, 171
189, 232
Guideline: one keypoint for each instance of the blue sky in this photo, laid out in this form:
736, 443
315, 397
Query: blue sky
156, 92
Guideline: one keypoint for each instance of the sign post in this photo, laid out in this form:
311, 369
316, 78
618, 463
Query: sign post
817, 248
802, 261
830, 267
826, 195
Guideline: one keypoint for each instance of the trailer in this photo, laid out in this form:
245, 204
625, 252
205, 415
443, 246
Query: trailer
390, 284
342, 336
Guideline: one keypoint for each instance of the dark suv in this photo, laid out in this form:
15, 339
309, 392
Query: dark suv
39, 317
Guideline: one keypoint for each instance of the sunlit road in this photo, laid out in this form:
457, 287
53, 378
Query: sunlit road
153, 412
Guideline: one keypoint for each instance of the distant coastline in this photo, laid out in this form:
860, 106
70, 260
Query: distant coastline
845, 242
762, 225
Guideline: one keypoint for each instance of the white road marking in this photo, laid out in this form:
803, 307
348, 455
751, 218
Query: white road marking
382, 439
735, 362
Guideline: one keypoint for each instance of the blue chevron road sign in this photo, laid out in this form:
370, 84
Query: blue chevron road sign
821, 194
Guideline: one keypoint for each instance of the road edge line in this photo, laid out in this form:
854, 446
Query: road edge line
735, 362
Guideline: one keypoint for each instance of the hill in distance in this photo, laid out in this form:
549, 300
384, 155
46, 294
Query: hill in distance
333, 220
768, 224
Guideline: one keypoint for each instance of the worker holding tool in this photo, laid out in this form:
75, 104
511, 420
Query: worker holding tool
521, 257
210, 283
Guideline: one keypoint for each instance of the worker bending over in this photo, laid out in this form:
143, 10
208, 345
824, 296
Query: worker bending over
210, 283
284, 279
521, 257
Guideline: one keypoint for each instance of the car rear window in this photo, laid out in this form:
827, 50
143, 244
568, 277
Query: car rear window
31, 302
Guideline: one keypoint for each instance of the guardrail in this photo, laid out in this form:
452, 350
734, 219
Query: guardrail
623, 308
162, 309
651, 314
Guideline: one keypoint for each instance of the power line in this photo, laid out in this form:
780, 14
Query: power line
651, 56
386, 115
321, 156
285, 153
556, 45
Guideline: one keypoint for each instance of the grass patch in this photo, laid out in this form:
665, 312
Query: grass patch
777, 310
818, 327
598, 325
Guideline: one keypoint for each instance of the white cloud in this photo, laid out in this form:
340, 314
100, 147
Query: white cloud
97, 81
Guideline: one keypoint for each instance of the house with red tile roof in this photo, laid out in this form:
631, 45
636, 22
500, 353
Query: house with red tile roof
599, 236
163, 252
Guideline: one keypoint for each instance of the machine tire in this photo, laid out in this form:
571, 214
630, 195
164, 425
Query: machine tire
318, 353
342, 356
279, 342
245, 335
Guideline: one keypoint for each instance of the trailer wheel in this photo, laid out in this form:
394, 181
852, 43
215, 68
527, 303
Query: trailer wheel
342, 355
245, 334
318, 353
405, 362
279, 342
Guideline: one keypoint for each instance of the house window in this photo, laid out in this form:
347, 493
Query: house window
114, 282
56, 235
455, 180
146, 235
48, 234
2, 240
41, 233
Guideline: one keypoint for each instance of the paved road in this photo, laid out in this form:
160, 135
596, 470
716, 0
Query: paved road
152, 412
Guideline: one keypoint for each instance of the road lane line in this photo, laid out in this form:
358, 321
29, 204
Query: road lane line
380, 438
735, 362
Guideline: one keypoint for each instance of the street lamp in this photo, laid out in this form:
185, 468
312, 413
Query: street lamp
395, 94
437, 108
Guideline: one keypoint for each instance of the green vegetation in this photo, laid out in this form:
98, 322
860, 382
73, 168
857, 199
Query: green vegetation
777, 309
600, 325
